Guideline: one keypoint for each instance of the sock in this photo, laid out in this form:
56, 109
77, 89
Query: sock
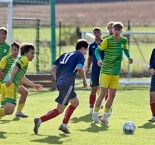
92, 99
106, 110
51, 114
152, 105
20, 107
96, 109
2, 112
68, 114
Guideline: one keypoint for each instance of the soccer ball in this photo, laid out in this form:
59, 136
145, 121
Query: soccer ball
129, 127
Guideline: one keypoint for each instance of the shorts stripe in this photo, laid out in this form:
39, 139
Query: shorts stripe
67, 95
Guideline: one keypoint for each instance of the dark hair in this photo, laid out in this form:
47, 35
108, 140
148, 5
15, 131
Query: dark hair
117, 25
4, 29
15, 44
96, 29
25, 48
81, 43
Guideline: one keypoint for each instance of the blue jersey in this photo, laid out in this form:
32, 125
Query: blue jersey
152, 59
66, 65
92, 47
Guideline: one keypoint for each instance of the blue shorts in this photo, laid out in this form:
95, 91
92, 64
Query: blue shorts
152, 86
94, 79
66, 92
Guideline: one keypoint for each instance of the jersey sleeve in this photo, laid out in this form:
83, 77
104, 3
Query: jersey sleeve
81, 60
22, 62
9, 52
3, 63
103, 45
126, 51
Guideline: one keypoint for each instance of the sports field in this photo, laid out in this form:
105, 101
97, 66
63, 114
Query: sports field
130, 104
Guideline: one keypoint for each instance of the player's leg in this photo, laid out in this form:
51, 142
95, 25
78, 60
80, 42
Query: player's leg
24, 93
49, 115
10, 94
94, 83
92, 98
69, 111
112, 88
62, 101
152, 98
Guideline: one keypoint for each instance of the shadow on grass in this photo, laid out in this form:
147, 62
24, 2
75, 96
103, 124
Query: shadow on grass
85, 118
96, 127
2, 135
148, 125
5, 121
51, 139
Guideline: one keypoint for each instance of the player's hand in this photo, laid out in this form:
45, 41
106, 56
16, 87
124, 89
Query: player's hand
130, 60
38, 87
84, 84
99, 63
8, 83
152, 71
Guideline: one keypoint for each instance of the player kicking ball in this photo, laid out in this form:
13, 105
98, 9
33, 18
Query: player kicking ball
64, 70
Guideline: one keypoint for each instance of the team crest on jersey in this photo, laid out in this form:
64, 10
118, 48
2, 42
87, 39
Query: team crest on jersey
4, 50
94, 46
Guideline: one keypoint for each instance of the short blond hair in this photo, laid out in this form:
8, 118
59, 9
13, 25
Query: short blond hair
118, 25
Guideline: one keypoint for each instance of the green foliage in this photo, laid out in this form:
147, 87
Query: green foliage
129, 104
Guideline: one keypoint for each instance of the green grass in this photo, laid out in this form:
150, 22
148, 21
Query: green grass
130, 104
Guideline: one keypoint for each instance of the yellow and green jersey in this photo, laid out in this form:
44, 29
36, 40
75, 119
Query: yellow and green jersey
22, 62
5, 64
113, 53
105, 36
4, 50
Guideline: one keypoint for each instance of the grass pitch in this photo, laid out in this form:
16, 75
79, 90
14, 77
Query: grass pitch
131, 103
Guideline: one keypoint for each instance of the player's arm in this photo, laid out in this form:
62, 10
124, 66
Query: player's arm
53, 71
14, 71
126, 52
81, 73
31, 84
2, 66
152, 63
89, 61
100, 48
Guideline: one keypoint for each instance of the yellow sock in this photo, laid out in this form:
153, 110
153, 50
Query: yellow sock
106, 110
20, 107
2, 112
96, 109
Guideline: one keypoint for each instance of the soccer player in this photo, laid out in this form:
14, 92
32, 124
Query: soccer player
94, 81
113, 47
152, 86
4, 47
5, 65
14, 77
64, 70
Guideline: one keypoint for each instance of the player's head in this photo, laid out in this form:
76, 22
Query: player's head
109, 27
28, 50
3, 34
14, 49
82, 45
97, 33
117, 28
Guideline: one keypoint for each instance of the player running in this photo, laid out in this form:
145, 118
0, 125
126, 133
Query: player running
64, 70
5, 65
14, 77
